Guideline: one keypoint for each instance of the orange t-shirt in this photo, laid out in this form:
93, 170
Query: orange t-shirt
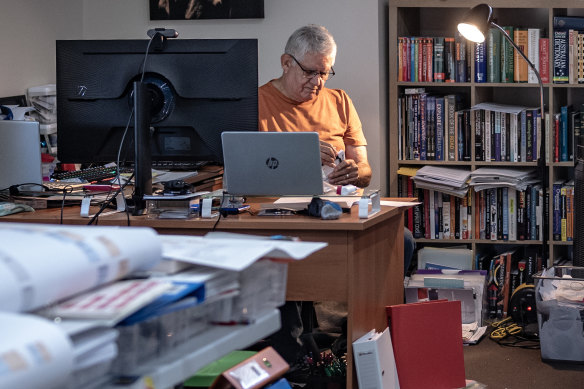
332, 114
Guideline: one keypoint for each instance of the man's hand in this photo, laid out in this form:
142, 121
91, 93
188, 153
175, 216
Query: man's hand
328, 154
345, 173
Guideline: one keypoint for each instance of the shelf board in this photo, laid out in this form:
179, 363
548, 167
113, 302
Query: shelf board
183, 362
479, 241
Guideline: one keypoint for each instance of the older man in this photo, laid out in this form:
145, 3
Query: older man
299, 101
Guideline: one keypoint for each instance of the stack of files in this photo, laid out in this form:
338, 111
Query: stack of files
487, 178
427, 344
446, 180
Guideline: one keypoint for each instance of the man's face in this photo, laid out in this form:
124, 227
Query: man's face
298, 83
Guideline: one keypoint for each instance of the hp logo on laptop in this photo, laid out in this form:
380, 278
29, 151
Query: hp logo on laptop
272, 163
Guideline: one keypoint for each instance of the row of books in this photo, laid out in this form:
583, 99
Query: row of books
439, 216
438, 59
506, 133
566, 127
503, 213
433, 127
497, 61
563, 211
568, 50
509, 214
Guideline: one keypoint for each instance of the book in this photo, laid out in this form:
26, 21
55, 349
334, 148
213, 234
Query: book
427, 338
449, 60
568, 22
544, 60
374, 361
480, 62
561, 71
520, 37
439, 75
439, 128
533, 38
494, 55
460, 58
507, 56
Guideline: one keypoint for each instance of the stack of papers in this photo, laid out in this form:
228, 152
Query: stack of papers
487, 178
446, 180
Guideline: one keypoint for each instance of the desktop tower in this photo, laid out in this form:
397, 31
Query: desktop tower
578, 259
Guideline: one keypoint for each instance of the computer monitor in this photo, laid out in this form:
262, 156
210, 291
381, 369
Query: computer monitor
196, 89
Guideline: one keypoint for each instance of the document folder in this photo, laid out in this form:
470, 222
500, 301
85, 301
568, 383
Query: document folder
374, 361
427, 344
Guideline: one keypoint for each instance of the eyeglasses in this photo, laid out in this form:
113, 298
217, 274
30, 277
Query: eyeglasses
310, 74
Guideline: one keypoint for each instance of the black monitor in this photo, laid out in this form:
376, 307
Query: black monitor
195, 88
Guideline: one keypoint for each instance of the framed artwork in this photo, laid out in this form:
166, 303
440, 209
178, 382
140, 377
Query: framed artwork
206, 9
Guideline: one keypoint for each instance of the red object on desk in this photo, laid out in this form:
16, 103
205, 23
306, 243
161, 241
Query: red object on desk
427, 344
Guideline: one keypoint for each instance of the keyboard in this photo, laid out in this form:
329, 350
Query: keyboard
97, 173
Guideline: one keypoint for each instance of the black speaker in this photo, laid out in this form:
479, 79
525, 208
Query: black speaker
578, 259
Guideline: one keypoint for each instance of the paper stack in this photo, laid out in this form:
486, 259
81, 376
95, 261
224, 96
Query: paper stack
446, 180
486, 178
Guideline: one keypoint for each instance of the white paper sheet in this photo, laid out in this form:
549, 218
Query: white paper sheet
231, 253
35, 352
41, 264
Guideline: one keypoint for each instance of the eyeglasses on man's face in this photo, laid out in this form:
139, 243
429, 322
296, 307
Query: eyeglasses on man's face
310, 74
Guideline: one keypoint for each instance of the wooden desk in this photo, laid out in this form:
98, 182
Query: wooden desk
362, 265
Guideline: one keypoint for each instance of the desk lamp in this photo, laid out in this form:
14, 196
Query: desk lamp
474, 26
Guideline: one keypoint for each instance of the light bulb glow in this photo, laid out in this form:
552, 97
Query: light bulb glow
471, 32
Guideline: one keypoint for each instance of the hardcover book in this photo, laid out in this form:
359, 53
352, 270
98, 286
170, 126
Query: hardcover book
439, 75
480, 63
507, 56
494, 55
520, 37
561, 71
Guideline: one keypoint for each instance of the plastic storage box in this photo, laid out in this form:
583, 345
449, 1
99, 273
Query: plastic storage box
559, 297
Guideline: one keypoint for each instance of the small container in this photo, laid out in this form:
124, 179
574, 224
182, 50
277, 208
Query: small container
559, 294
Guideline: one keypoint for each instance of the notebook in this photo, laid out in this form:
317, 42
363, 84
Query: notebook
272, 163
20, 153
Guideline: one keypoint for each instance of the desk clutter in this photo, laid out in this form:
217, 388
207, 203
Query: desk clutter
110, 302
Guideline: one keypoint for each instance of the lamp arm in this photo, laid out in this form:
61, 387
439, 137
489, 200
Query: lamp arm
542, 150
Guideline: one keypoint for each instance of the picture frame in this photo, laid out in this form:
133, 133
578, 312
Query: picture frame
206, 9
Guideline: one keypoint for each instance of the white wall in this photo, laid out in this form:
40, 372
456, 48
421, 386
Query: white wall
358, 27
29, 29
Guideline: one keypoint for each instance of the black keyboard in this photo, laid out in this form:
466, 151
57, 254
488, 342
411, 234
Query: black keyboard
97, 173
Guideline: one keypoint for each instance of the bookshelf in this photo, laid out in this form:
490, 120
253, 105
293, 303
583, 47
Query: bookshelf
438, 18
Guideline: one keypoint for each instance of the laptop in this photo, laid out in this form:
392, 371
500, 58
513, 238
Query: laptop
20, 153
271, 163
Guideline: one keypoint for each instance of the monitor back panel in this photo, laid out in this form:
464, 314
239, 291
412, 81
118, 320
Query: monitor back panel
272, 163
20, 153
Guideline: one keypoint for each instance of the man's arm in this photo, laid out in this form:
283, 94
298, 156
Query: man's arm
354, 169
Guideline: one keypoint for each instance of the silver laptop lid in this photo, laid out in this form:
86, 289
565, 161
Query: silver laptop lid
272, 163
20, 153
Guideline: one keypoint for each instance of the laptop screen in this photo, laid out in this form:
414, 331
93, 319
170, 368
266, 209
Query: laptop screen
272, 163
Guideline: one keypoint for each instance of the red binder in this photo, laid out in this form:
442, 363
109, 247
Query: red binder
427, 344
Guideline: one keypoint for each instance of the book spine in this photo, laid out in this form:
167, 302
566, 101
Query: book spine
446, 228
563, 218
493, 55
439, 129
430, 128
521, 40
561, 75
467, 149
439, 75
512, 198
457, 226
461, 62
533, 35
564, 114
571, 55
438, 211
504, 136
480, 63
494, 215
544, 60
479, 129
449, 60
418, 213
400, 59
507, 56
451, 127
580, 67
416, 126
556, 222
505, 204
529, 136
500, 213
521, 215
487, 135
497, 136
